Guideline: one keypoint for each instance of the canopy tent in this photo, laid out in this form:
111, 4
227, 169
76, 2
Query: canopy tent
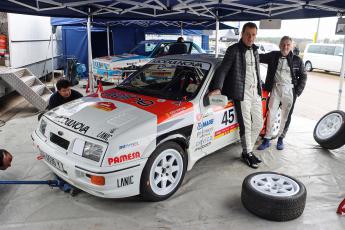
179, 10
126, 30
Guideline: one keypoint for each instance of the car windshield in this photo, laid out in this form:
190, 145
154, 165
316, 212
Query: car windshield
144, 48
169, 79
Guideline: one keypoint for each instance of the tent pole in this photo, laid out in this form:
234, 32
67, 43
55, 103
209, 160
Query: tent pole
52, 45
341, 77
89, 53
108, 39
217, 36
181, 29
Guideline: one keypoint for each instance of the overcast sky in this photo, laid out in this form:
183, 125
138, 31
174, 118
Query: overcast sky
301, 28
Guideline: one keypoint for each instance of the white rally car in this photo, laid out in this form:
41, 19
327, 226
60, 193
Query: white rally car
141, 136
115, 68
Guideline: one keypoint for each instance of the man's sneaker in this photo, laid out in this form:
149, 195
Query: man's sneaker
250, 160
265, 144
280, 144
258, 160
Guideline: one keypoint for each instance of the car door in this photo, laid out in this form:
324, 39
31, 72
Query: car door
218, 127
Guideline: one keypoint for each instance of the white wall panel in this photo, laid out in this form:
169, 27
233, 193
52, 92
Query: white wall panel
29, 38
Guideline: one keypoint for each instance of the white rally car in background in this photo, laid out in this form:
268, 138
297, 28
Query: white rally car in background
141, 136
115, 68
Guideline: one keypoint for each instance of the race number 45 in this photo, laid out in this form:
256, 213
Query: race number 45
228, 117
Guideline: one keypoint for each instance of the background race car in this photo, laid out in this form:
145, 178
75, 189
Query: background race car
115, 68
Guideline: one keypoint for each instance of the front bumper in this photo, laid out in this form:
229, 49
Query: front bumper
120, 181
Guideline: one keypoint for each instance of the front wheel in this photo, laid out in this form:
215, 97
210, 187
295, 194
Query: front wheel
164, 172
329, 132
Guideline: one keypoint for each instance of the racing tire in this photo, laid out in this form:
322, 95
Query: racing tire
308, 66
273, 196
163, 172
329, 132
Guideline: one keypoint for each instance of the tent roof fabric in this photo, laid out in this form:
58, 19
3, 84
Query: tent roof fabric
178, 10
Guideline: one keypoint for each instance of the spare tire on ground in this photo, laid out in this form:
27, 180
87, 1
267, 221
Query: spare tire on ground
273, 196
329, 132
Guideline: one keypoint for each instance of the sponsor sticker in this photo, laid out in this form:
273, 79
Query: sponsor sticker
130, 145
205, 124
125, 181
225, 131
104, 105
123, 158
76, 125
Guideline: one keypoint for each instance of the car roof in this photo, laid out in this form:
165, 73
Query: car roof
163, 41
193, 57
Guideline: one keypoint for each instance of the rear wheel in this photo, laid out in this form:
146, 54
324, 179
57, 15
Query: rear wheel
329, 132
164, 172
308, 66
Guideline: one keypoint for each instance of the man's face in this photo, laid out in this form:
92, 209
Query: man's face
65, 92
248, 36
285, 47
6, 161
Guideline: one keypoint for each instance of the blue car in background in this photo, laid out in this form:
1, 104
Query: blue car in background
115, 68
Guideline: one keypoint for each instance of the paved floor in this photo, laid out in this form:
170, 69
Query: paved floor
209, 197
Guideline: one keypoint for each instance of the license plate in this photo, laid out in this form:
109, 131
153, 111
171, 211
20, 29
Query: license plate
54, 162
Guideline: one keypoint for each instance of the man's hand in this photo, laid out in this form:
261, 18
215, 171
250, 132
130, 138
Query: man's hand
214, 92
6, 161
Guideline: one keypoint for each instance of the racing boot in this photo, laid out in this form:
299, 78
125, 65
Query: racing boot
265, 144
250, 160
280, 143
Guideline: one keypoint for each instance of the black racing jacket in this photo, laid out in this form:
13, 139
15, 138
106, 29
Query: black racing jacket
298, 73
230, 75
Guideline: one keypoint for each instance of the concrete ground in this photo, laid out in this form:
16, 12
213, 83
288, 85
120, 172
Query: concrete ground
209, 197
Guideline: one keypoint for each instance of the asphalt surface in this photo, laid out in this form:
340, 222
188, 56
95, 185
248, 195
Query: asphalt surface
320, 95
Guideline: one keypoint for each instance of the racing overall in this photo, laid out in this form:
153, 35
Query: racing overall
282, 93
249, 111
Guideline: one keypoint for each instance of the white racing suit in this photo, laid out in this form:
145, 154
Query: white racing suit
281, 94
249, 111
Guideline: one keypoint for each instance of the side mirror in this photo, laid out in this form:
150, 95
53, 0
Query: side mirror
218, 100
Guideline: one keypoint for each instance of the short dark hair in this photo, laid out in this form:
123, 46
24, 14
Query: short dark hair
249, 25
63, 83
180, 39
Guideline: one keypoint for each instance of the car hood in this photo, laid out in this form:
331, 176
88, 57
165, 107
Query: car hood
98, 117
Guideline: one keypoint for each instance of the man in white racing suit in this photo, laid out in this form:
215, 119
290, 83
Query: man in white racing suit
238, 77
286, 79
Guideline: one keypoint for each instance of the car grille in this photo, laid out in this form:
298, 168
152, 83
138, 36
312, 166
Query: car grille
63, 143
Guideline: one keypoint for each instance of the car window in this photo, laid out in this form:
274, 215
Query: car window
338, 51
327, 50
170, 79
194, 50
314, 49
144, 48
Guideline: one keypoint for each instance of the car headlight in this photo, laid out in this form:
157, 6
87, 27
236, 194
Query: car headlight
43, 126
92, 151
